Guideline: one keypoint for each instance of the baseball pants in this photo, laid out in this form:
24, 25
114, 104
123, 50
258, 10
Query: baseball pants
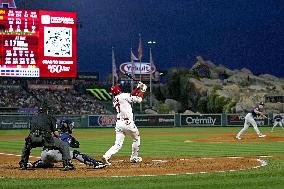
249, 120
121, 131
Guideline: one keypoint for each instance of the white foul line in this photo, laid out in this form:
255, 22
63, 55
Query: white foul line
17, 155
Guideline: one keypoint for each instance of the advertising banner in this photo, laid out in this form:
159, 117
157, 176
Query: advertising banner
137, 68
14, 121
140, 120
155, 120
239, 119
57, 44
101, 121
196, 120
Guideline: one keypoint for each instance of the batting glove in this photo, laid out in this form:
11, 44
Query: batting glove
143, 88
140, 84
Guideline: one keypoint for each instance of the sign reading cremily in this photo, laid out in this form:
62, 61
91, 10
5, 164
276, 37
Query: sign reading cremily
8, 4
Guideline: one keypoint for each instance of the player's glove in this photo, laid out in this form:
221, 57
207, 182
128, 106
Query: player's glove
140, 84
143, 88
264, 116
74, 143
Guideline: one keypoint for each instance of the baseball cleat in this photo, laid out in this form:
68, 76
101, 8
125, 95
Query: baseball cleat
261, 136
238, 138
106, 161
23, 166
99, 165
68, 168
136, 159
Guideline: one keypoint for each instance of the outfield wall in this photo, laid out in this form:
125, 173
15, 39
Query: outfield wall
22, 121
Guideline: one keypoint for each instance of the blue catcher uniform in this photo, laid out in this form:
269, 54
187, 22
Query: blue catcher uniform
249, 119
51, 156
66, 137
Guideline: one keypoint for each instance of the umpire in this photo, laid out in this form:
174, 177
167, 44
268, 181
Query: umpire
42, 129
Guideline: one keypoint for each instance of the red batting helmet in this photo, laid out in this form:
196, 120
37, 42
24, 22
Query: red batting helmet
115, 90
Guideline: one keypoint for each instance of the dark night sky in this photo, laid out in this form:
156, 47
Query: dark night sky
235, 33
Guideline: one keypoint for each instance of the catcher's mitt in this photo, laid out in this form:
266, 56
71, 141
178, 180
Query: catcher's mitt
74, 143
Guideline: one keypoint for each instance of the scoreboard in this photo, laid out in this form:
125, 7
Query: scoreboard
37, 43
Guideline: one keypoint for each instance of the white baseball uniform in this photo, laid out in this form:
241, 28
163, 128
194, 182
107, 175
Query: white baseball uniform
52, 156
278, 120
125, 124
249, 119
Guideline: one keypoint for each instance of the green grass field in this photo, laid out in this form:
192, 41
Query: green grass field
164, 144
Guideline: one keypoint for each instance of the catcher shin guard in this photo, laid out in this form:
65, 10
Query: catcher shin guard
87, 160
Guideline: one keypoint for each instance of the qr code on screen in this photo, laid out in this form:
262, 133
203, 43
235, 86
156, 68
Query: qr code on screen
58, 41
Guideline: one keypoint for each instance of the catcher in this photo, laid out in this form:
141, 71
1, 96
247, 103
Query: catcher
51, 156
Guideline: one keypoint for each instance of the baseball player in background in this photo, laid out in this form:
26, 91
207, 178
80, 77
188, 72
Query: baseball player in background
125, 123
277, 120
51, 156
249, 119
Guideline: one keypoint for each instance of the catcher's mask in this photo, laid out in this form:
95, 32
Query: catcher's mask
66, 126
115, 90
42, 109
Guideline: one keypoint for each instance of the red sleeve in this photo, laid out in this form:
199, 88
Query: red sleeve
136, 90
141, 94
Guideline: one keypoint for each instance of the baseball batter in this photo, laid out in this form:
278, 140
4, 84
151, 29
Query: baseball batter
51, 156
249, 119
125, 124
277, 120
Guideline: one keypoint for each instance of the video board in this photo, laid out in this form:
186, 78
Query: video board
37, 43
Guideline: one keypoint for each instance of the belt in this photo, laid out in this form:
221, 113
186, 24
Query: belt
123, 118
39, 132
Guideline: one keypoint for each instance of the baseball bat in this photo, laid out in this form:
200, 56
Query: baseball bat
130, 76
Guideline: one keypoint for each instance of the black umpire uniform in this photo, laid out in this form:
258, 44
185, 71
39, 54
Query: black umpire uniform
42, 128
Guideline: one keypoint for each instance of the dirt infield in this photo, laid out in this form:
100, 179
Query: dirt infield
122, 167
150, 166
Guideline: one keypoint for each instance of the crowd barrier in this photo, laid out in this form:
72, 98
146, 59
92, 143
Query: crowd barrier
22, 121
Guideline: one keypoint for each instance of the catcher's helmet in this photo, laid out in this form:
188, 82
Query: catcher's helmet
115, 90
261, 105
66, 126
